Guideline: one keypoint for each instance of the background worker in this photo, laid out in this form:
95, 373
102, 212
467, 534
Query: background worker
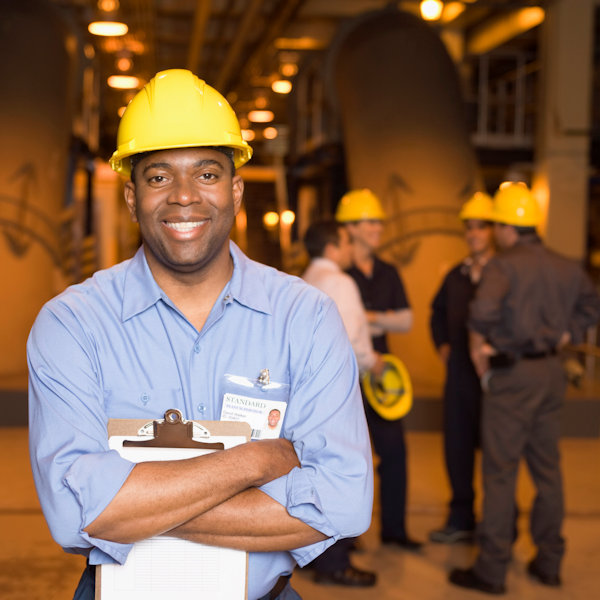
330, 250
529, 303
462, 391
191, 323
388, 310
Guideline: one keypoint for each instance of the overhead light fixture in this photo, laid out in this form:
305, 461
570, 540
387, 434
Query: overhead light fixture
261, 116
270, 219
124, 63
248, 135
124, 82
299, 43
270, 133
282, 86
106, 25
108, 28
288, 217
288, 69
431, 10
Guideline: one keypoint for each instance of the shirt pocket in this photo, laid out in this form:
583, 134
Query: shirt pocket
141, 402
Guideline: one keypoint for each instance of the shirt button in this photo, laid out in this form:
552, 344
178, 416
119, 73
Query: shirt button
201, 408
145, 397
226, 299
197, 348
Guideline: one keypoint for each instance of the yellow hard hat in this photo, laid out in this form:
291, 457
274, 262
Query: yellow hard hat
390, 395
514, 204
359, 205
479, 207
176, 109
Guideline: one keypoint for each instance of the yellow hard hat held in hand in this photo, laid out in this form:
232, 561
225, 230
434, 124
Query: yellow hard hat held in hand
390, 395
176, 109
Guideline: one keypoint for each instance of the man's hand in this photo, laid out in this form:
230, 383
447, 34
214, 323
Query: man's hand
480, 352
378, 367
273, 458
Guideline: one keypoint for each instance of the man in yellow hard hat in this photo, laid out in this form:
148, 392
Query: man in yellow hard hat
462, 391
529, 303
190, 323
388, 310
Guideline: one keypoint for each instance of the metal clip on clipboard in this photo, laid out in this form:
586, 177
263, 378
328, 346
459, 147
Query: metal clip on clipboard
174, 432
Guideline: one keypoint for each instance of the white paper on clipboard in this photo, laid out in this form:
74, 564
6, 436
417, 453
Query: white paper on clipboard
166, 567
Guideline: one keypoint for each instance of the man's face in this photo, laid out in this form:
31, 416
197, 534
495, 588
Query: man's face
273, 418
502, 235
366, 233
478, 235
185, 201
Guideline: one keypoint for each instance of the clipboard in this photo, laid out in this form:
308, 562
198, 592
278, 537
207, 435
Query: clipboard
167, 567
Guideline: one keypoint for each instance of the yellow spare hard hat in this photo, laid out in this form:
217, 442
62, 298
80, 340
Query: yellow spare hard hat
390, 395
359, 205
515, 205
479, 207
176, 109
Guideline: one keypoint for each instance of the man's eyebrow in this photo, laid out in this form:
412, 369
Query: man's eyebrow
205, 162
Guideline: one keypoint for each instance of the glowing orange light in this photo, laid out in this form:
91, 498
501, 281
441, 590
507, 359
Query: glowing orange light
270, 219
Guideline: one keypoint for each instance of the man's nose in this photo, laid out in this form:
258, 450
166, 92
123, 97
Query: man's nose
184, 192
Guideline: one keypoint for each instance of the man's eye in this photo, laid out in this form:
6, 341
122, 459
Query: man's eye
156, 179
208, 176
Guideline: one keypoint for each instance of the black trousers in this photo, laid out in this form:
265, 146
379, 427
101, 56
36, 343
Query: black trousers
462, 415
389, 445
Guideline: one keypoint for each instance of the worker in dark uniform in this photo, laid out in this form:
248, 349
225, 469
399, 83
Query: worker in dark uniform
530, 302
388, 310
462, 391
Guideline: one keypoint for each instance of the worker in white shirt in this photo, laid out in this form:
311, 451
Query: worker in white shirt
330, 249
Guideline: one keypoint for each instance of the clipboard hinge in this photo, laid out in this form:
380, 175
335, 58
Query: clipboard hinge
174, 432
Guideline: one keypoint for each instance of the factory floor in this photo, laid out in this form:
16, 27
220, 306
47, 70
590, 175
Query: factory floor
33, 567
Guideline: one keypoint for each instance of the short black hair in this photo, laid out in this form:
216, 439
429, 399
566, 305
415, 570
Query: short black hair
228, 152
319, 234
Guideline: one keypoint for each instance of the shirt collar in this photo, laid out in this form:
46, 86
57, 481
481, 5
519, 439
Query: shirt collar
326, 263
245, 286
140, 290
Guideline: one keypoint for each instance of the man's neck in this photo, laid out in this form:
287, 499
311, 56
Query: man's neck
364, 258
194, 294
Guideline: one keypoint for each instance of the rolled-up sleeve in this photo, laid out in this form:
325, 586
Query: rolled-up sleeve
332, 491
68, 438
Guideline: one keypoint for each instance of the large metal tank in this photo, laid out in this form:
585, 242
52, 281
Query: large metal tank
35, 121
397, 93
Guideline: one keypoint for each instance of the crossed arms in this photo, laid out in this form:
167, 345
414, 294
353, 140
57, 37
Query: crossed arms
210, 499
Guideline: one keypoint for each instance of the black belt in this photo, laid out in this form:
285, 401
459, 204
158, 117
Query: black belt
504, 359
279, 587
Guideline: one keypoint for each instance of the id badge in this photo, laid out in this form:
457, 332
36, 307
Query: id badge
255, 402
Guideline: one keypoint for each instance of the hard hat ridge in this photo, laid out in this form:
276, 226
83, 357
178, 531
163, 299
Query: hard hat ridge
478, 207
514, 204
359, 205
176, 109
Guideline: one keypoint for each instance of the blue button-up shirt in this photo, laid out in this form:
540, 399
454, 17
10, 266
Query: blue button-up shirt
115, 346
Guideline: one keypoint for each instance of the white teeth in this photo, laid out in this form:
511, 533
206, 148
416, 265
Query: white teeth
179, 226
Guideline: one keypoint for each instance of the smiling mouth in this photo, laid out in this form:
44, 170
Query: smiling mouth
184, 226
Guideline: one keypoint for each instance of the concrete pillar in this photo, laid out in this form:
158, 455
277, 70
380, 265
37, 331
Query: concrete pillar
563, 136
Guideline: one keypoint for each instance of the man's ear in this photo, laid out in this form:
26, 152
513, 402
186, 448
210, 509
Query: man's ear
237, 188
130, 200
